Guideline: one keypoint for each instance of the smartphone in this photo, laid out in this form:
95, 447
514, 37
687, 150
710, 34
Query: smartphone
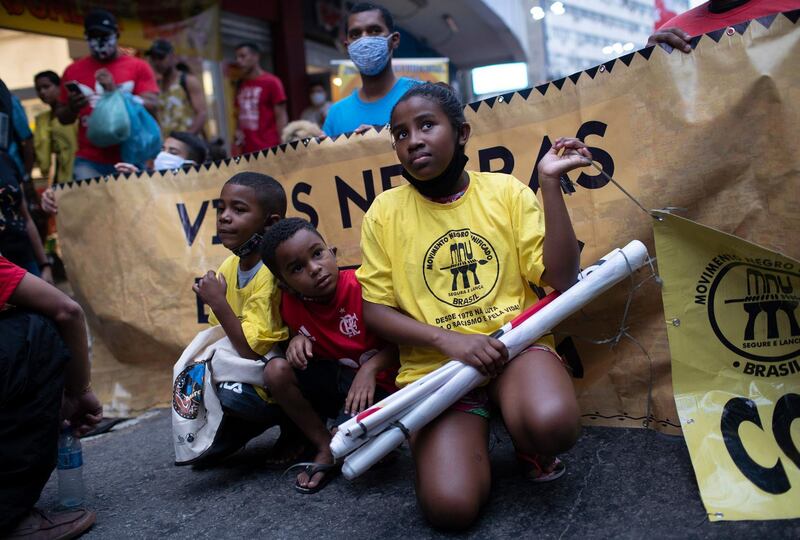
72, 86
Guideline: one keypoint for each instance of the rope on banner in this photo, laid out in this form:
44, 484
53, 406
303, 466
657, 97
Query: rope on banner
622, 332
623, 328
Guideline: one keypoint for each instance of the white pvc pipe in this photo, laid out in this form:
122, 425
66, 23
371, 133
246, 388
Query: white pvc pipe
397, 402
341, 445
618, 266
370, 423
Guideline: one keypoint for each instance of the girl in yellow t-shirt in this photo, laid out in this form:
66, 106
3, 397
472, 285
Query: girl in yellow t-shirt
447, 260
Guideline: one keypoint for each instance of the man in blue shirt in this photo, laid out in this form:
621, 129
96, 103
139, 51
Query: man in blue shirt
370, 40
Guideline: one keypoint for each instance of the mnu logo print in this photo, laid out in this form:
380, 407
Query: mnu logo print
460, 267
753, 310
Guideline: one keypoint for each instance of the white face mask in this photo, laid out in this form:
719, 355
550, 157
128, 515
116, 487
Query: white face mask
165, 160
103, 47
318, 98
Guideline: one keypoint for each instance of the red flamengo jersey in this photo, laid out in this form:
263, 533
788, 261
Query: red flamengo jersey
336, 330
130, 75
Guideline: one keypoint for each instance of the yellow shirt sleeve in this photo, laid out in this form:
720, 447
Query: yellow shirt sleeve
261, 320
375, 272
527, 219
257, 305
223, 270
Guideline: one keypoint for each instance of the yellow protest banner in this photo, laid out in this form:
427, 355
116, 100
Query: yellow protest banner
193, 28
731, 309
346, 77
716, 131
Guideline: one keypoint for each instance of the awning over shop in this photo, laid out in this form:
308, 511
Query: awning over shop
193, 28
475, 34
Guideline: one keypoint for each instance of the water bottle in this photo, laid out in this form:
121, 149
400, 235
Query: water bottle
71, 490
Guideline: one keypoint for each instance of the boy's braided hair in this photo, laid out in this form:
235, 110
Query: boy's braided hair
269, 192
277, 235
440, 93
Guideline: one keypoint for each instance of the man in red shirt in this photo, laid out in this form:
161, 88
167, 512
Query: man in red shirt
85, 80
260, 104
714, 15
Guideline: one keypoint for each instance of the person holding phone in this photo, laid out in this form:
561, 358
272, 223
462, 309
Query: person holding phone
88, 78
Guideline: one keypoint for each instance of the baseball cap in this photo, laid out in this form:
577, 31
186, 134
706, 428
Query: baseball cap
100, 20
160, 47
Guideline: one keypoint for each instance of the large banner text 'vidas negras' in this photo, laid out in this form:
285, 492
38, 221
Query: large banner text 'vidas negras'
715, 132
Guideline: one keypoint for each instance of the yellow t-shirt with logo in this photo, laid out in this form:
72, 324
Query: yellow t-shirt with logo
257, 305
464, 266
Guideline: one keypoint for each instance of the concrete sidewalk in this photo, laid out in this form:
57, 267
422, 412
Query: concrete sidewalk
620, 483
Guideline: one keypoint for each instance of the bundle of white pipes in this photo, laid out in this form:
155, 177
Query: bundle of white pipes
369, 436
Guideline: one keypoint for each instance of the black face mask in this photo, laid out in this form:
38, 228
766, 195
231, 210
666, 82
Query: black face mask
248, 246
444, 184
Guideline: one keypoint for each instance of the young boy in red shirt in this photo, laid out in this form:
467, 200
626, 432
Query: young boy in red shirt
332, 359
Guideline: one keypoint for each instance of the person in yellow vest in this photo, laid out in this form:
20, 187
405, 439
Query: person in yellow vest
181, 103
51, 137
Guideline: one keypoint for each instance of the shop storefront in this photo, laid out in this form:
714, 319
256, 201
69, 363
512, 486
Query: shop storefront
49, 36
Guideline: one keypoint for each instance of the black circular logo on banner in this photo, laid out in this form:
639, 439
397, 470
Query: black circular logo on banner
753, 310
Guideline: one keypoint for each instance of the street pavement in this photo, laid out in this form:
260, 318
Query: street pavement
620, 483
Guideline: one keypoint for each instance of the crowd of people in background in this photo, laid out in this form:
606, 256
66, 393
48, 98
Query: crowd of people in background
452, 489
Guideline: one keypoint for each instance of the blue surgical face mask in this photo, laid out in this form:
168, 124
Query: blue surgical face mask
370, 54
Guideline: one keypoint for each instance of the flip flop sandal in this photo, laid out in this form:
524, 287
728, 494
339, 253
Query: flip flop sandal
329, 470
539, 473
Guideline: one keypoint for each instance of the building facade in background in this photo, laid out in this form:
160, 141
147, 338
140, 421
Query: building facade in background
578, 34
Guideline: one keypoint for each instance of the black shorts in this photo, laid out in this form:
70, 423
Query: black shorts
32, 362
325, 384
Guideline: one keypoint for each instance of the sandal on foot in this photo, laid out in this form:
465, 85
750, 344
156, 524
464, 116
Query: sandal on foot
328, 470
540, 469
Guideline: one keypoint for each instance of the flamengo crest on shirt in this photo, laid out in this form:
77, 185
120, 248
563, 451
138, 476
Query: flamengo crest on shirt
348, 325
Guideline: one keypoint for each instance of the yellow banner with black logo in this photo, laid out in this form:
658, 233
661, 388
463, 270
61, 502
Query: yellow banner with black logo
733, 322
